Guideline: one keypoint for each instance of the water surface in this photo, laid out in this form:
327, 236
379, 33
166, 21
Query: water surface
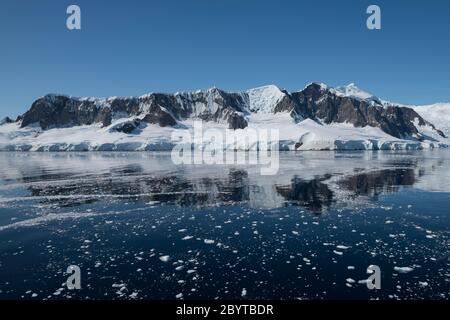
140, 227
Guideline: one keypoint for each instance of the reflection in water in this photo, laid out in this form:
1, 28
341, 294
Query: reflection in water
132, 182
313, 195
378, 182
141, 227
128, 183
314, 181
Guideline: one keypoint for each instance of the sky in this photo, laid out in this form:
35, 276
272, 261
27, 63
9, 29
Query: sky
128, 48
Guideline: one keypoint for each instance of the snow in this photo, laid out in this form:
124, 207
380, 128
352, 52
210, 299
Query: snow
293, 135
353, 91
3, 121
199, 107
438, 114
322, 85
304, 135
264, 99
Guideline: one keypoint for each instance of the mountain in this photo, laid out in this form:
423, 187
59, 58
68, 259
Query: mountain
55, 111
264, 99
438, 113
352, 91
317, 117
6, 120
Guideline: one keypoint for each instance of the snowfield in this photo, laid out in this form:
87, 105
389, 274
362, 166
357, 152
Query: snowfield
264, 99
304, 135
438, 114
353, 91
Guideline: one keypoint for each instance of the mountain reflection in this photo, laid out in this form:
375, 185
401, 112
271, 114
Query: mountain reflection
130, 183
373, 184
133, 183
313, 195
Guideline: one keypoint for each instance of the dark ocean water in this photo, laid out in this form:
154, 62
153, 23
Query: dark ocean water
140, 227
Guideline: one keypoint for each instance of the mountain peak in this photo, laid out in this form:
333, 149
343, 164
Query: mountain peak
265, 98
353, 91
321, 85
5, 120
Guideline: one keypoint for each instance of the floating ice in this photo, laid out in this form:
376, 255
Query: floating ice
164, 258
403, 269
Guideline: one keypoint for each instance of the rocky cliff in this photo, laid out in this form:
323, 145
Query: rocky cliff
316, 101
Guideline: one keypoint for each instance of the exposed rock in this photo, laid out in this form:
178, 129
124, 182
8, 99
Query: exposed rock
157, 115
62, 111
6, 120
127, 127
237, 121
162, 109
319, 103
316, 101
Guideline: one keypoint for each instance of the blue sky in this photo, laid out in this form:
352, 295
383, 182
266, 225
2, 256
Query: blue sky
133, 47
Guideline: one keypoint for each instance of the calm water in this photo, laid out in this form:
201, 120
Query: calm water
140, 227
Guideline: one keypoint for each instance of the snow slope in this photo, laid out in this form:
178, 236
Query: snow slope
438, 114
305, 135
353, 91
264, 99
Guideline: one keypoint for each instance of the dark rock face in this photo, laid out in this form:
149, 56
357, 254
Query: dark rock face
321, 104
162, 109
6, 120
61, 111
128, 127
159, 116
316, 102
288, 104
237, 121
226, 107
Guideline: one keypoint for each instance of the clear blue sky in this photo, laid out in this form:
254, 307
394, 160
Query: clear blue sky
133, 47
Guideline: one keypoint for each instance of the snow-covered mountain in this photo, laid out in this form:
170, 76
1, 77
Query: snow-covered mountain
438, 114
318, 117
5, 120
264, 99
352, 91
